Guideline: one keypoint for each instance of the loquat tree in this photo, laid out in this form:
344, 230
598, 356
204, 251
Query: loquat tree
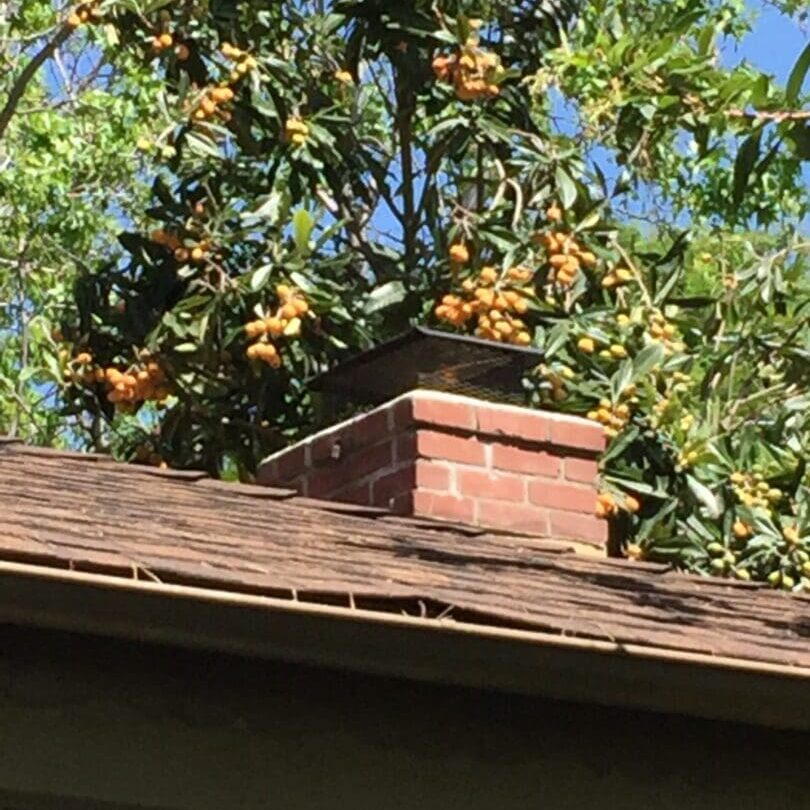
584, 178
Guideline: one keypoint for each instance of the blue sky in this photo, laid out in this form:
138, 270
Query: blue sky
774, 45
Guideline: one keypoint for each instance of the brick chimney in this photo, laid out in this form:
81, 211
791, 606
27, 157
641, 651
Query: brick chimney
454, 457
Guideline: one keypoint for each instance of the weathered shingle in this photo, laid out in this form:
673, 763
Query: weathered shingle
86, 513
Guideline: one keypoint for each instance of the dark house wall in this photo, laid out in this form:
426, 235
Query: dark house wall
155, 727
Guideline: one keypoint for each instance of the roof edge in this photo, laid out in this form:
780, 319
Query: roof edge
433, 650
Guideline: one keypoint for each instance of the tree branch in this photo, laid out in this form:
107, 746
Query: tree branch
775, 115
28, 72
404, 124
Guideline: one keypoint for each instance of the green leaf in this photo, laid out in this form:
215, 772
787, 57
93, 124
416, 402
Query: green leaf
447, 123
259, 278
202, 145
501, 238
647, 359
693, 301
706, 39
303, 283
384, 296
744, 165
269, 208
669, 285
303, 224
557, 338
621, 379
797, 76
620, 444
186, 348
566, 187
702, 493
800, 135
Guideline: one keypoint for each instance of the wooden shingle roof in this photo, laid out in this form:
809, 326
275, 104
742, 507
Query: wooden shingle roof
80, 513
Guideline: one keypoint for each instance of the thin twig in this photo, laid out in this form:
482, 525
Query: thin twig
634, 270
770, 115
404, 121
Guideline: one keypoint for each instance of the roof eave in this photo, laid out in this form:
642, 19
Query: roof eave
440, 651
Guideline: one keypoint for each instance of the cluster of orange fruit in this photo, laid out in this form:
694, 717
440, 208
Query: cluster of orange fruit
473, 72
588, 345
617, 278
613, 417
286, 322
163, 42
753, 491
210, 105
244, 62
607, 505
495, 299
565, 254
81, 369
171, 241
138, 384
295, 132
84, 13
665, 333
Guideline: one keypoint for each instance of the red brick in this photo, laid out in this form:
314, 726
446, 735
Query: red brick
267, 474
517, 459
366, 461
581, 469
446, 507
331, 477
424, 475
298, 484
359, 493
466, 450
401, 413
370, 428
496, 486
430, 475
402, 504
516, 423
577, 526
445, 413
562, 495
291, 463
389, 486
328, 447
577, 433
323, 482
516, 517
405, 447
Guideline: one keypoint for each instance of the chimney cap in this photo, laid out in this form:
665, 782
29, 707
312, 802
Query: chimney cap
428, 358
